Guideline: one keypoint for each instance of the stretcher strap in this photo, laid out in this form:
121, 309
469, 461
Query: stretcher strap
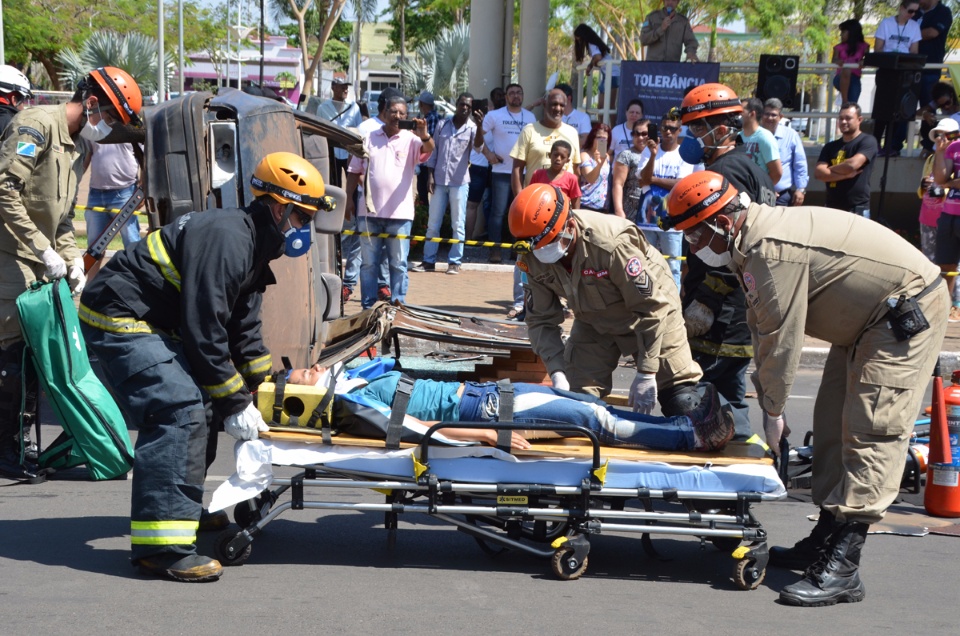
505, 414
322, 412
397, 410
280, 384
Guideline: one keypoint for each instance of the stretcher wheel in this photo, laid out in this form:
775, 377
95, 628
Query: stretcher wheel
220, 548
726, 544
566, 567
244, 516
746, 575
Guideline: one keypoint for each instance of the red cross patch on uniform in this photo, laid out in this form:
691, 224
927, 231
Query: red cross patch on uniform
634, 267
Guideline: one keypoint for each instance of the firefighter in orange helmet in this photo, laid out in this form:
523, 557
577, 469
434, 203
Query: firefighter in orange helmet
880, 304
623, 296
41, 162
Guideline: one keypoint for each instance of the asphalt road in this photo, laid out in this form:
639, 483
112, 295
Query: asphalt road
64, 569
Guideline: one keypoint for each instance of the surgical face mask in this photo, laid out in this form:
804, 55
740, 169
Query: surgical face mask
554, 251
715, 259
98, 132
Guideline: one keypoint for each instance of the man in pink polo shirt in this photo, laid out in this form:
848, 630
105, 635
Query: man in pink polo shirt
392, 157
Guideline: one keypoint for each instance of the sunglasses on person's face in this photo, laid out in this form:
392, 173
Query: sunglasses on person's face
640, 133
910, 11
951, 136
670, 129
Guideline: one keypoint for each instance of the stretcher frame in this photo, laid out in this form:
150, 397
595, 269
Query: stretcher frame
544, 520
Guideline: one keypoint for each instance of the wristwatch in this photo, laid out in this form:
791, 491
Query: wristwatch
426, 139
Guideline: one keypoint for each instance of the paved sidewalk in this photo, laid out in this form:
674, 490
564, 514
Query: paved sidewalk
486, 290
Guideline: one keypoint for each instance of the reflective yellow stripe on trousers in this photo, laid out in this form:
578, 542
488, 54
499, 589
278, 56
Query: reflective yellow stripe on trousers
163, 532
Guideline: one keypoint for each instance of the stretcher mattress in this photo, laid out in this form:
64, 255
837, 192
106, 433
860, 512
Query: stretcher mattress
487, 465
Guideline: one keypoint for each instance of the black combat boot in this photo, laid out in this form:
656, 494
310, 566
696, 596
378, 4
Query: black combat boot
805, 551
835, 577
14, 464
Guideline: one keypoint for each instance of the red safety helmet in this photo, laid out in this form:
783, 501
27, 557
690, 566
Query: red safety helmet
538, 214
122, 91
709, 99
696, 198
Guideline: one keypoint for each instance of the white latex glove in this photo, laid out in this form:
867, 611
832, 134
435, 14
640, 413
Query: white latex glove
77, 278
698, 319
56, 266
774, 428
643, 392
246, 424
559, 379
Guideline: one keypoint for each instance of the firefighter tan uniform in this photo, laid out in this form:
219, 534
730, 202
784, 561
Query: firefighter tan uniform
625, 302
40, 168
829, 275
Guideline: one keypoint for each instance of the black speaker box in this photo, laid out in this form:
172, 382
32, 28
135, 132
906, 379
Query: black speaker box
897, 93
777, 77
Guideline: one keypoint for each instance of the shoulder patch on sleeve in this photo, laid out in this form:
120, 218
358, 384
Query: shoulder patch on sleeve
26, 149
634, 267
33, 132
522, 266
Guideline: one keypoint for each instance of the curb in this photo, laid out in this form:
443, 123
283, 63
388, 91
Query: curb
817, 356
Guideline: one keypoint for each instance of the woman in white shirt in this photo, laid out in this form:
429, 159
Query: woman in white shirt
899, 34
620, 137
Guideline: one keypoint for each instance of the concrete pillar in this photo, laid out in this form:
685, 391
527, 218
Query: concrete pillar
532, 62
486, 46
506, 72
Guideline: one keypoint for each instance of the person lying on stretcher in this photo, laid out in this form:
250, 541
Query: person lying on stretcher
708, 428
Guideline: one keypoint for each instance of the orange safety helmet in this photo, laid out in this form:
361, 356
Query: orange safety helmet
709, 99
538, 213
289, 178
696, 198
122, 91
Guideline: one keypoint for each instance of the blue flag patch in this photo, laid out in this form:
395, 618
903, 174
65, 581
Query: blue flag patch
26, 149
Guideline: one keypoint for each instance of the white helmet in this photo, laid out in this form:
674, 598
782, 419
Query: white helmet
13, 81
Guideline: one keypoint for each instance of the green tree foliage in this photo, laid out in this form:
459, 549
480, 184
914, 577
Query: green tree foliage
440, 66
37, 30
134, 52
416, 22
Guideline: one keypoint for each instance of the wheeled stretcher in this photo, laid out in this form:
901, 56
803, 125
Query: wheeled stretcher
548, 501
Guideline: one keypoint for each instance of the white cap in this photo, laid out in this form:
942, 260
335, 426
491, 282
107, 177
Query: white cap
947, 125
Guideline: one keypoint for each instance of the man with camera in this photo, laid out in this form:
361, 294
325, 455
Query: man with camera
393, 152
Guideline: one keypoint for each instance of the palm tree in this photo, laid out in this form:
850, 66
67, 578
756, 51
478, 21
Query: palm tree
440, 66
133, 52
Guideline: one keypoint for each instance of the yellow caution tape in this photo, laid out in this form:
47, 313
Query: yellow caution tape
521, 247
601, 472
559, 541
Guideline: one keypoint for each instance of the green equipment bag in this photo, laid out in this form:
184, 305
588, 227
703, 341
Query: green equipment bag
94, 431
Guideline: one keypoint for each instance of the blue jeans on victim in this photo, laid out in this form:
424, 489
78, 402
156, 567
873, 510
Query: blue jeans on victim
480, 402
